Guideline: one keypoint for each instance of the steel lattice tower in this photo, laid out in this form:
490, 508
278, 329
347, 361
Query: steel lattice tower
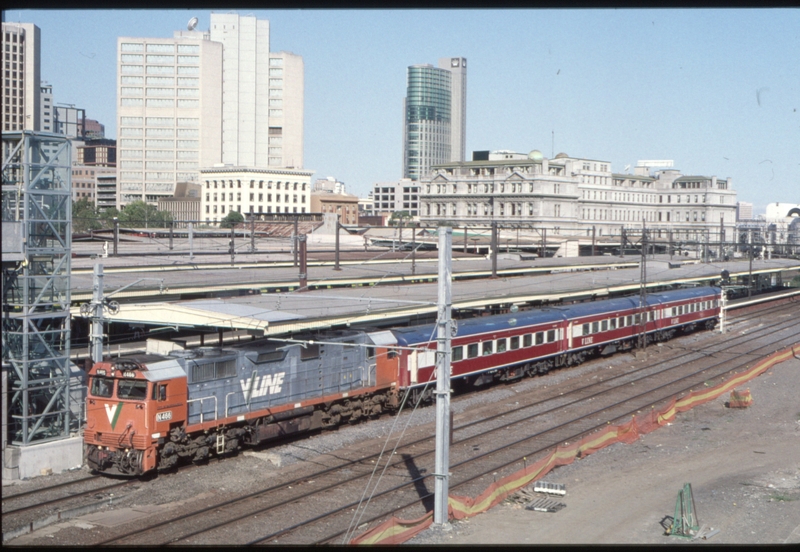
37, 238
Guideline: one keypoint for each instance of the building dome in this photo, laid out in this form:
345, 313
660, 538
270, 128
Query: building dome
535, 155
562, 155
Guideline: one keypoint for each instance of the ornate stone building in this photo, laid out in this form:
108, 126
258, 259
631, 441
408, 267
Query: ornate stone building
572, 195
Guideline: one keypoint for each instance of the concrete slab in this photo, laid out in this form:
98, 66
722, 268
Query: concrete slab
36, 460
112, 518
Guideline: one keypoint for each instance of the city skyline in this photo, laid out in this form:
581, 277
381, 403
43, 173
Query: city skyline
715, 90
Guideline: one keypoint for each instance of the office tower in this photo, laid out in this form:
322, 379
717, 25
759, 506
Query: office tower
458, 106
262, 108
435, 116
169, 112
22, 80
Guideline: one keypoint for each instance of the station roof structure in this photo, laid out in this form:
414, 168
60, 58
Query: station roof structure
378, 304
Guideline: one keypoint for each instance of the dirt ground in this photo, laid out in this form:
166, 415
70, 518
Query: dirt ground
743, 465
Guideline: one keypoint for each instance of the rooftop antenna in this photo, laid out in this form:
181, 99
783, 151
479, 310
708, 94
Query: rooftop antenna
192, 23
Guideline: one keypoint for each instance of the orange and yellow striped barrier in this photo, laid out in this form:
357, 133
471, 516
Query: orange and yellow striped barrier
397, 531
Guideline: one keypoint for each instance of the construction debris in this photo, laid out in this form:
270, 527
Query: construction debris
740, 399
684, 523
550, 488
545, 505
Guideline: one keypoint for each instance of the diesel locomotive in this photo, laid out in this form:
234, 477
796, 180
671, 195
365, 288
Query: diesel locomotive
148, 412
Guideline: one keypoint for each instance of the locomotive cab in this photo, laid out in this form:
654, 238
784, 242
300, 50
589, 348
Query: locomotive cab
132, 405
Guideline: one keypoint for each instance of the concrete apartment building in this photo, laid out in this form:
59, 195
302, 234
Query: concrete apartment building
435, 108
744, 211
390, 197
21, 77
168, 112
205, 98
184, 205
262, 111
574, 195
46, 111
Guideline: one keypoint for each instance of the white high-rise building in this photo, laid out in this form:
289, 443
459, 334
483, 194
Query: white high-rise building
22, 82
169, 117
262, 109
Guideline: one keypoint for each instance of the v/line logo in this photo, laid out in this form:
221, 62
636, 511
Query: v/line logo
263, 385
113, 413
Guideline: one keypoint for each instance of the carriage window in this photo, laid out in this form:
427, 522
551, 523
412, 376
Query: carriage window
586, 330
613, 323
458, 353
628, 320
637, 319
501, 345
674, 311
132, 389
551, 336
515, 342
604, 326
595, 327
487, 347
102, 387
527, 340
539, 338
472, 350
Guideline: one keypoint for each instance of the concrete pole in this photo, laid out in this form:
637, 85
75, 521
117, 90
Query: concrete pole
336, 256
750, 277
301, 242
116, 236
465, 239
413, 249
443, 337
171, 232
191, 241
294, 241
594, 241
721, 237
494, 249
97, 314
233, 243
252, 233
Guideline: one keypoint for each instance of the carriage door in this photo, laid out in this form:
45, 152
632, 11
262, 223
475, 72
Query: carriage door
412, 366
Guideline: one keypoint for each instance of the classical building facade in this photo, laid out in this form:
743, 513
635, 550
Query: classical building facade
250, 190
574, 195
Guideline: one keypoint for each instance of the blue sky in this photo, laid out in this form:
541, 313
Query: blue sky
717, 91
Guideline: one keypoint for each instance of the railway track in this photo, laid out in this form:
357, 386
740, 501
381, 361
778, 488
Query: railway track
328, 489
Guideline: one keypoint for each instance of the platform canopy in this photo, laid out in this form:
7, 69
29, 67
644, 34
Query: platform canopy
210, 313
